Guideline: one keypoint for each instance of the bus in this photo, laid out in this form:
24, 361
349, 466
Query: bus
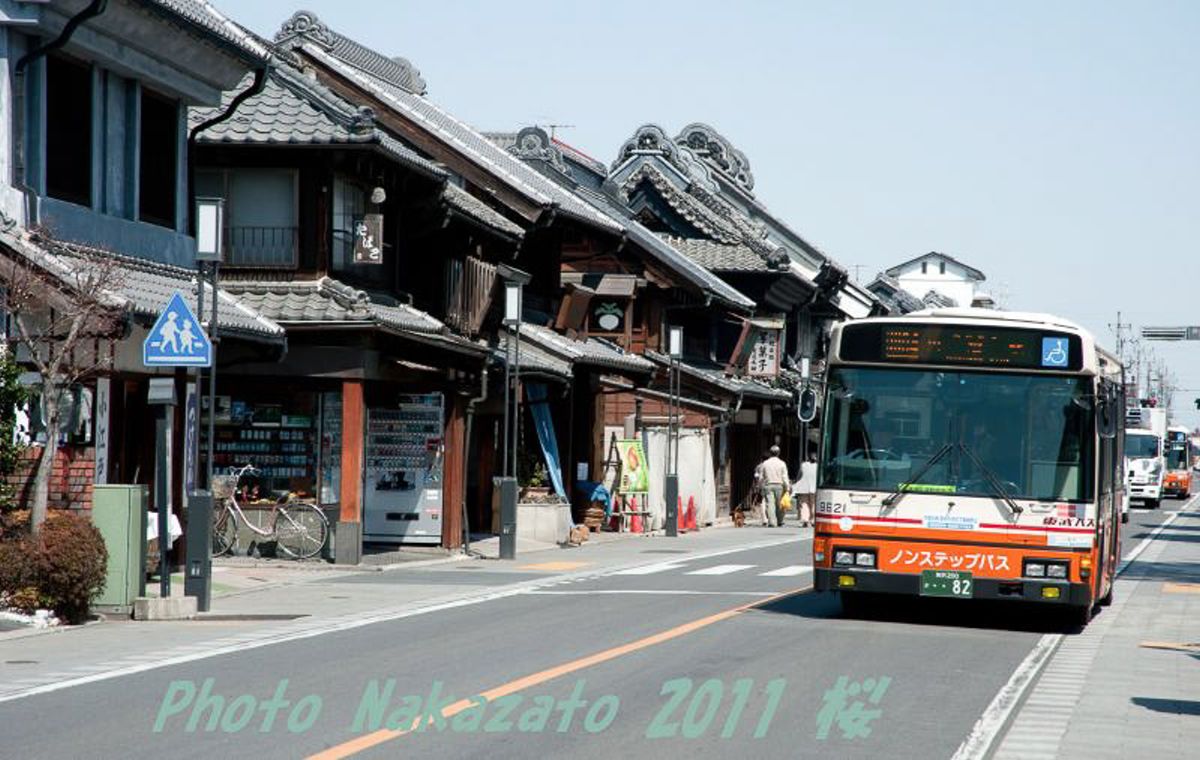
1178, 480
970, 453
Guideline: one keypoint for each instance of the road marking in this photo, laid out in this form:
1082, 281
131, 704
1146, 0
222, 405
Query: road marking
374, 739
308, 628
991, 726
635, 591
650, 569
720, 570
786, 572
1181, 588
558, 566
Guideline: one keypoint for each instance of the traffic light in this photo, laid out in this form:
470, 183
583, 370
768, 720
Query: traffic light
806, 405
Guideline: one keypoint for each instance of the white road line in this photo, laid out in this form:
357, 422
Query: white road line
720, 570
349, 622
991, 725
787, 572
650, 569
652, 591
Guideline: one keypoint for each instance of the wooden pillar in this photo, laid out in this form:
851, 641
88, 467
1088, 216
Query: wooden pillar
348, 547
454, 479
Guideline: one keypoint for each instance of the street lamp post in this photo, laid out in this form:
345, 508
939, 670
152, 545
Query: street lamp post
671, 482
210, 225
514, 284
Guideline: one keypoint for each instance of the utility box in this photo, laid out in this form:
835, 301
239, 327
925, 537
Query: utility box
119, 513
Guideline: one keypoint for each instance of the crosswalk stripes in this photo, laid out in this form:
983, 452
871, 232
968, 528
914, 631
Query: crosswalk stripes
787, 572
720, 570
649, 569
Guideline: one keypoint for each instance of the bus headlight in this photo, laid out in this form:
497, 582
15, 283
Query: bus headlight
865, 559
1035, 570
842, 557
1056, 570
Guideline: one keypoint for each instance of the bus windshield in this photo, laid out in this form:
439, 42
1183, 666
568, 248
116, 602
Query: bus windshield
1032, 433
1177, 457
1141, 446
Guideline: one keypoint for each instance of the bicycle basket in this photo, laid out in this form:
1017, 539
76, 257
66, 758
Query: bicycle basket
223, 486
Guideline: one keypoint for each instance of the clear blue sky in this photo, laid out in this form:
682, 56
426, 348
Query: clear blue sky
1055, 146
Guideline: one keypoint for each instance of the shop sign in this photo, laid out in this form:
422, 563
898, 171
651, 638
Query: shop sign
764, 356
608, 316
368, 239
635, 469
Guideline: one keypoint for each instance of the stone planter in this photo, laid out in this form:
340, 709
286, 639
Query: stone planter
548, 523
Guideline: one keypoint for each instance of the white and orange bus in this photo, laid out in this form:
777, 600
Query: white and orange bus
970, 453
1178, 480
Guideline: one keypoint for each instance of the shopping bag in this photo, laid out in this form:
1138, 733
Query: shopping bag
785, 501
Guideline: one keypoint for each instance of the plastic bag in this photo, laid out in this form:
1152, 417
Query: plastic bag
785, 501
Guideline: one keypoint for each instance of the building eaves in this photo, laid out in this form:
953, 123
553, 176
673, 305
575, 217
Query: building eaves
328, 301
478, 211
471, 144
590, 352
533, 359
730, 384
211, 22
142, 287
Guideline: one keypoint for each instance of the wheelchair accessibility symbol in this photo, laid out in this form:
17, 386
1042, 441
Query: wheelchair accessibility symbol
1054, 352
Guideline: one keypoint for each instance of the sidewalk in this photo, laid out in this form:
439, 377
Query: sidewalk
262, 601
1129, 685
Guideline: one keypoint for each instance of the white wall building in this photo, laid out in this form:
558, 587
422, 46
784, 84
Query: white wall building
938, 279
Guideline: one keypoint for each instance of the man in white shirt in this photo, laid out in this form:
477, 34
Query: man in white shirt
774, 481
804, 490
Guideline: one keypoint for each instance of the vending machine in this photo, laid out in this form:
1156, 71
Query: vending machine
403, 470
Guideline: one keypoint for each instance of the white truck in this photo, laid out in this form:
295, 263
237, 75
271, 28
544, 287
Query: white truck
1145, 462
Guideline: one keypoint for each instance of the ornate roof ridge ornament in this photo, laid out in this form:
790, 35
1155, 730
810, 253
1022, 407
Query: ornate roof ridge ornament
304, 26
648, 138
714, 149
533, 142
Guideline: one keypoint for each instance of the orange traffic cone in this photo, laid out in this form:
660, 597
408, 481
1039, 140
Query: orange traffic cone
680, 522
635, 521
691, 514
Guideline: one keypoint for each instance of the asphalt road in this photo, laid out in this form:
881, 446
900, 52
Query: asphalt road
760, 674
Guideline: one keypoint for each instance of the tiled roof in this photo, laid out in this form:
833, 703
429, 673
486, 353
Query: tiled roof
145, 287
294, 110
201, 13
533, 358
728, 383
972, 271
592, 351
467, 141
897, 299
666, 254
328, 300
720, 257
467, 204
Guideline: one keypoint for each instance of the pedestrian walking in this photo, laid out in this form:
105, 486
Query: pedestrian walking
804, 490
774, 481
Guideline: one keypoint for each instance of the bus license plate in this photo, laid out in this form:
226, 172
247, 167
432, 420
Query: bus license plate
956, 583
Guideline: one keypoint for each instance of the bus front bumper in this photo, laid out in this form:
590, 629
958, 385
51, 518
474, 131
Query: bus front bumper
1016, 589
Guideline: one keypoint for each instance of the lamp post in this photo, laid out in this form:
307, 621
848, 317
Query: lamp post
514, 284
210, 225
671, 482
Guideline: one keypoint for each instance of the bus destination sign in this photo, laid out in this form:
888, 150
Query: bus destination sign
961, 345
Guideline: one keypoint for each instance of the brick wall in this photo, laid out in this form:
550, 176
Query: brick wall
70, 481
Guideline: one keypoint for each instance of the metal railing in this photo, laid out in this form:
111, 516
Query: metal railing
250, 246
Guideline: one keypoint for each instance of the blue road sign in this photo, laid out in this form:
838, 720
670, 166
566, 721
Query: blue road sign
177, 339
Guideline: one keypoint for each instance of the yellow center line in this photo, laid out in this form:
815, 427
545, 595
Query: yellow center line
375, 738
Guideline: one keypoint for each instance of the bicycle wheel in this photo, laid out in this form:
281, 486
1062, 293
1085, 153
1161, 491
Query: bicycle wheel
301, 530
224, 531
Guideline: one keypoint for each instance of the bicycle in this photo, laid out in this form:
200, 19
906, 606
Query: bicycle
298, 528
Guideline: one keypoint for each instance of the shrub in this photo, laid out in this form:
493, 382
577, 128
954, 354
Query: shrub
16, 566
14, 524
69, 561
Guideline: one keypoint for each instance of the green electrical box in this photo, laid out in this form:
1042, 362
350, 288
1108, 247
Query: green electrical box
119, 512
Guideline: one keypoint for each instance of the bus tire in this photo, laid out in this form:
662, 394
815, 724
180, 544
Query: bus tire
1124, 517
1107, 599
1152, 503
1081, 615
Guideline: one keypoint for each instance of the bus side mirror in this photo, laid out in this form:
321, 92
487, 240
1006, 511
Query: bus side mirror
1106, 418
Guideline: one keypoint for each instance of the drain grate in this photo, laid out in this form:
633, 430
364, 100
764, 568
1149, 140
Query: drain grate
664, 551
21, 662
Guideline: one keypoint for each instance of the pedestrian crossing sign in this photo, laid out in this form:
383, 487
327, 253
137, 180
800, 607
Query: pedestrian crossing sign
177, 339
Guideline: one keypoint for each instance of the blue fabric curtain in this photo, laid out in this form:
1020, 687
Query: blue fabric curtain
539, 407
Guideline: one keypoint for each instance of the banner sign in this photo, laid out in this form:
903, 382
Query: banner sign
635, 469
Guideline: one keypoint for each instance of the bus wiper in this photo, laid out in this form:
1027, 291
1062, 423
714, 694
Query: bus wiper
992, 480
901, 488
